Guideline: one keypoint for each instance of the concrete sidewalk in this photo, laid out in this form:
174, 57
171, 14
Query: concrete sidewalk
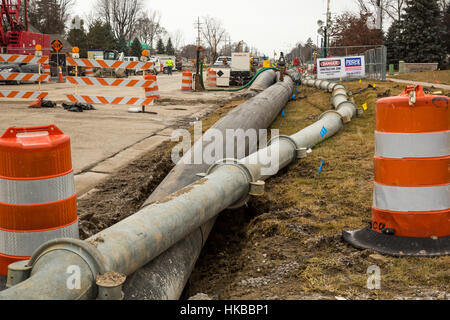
423, 84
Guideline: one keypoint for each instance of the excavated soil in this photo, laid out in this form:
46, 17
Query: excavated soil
124, 192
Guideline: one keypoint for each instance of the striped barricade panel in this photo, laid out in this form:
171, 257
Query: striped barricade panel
110, 64
12, 94
13, 76
22, 58
110, 82
110, 100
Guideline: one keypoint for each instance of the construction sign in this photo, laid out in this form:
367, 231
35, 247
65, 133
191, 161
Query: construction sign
341, 67
57, 45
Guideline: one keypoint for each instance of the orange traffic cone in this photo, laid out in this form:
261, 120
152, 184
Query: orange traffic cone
36, 104
60, 79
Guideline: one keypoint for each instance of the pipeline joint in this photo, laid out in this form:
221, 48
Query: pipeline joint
256, 187
300, 153
20, 271
343, 119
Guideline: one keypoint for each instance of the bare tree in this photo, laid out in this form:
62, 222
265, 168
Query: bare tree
444, 4
122, 15
149, 28
177, 39
213, 33
391, 8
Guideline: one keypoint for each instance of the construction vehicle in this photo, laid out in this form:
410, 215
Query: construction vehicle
234, 71
15, 37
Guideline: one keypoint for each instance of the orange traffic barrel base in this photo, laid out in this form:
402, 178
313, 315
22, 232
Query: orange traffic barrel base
398, 246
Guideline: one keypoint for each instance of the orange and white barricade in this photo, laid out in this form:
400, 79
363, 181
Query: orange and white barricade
411, 201
186, 80
148, 83
109, 64
131, 101
212, 78
18, 58
37, 193
13, 94
15, 76
111, 82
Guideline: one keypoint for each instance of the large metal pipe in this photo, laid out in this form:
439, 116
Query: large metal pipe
165, 276
128, 245
257, 113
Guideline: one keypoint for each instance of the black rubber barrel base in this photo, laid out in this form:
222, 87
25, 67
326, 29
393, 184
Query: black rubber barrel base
397, 246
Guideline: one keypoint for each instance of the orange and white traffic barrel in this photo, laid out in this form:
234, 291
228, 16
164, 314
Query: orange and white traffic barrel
37, 193
186, 80
153, 90
47, 71
212, 78
411, 201
89, 72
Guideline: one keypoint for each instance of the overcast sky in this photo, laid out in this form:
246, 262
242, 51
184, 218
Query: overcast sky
269, 25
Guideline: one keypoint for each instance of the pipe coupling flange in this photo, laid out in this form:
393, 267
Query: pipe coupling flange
17, 272
110, 286
343, 119
300, 153
88, 252
344, 102
256, 187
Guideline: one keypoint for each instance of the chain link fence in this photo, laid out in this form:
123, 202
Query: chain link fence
375, 57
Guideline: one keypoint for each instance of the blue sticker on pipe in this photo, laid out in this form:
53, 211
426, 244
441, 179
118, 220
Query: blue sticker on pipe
323, 132
282, 113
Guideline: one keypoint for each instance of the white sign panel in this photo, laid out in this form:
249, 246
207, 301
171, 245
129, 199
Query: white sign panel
329, 68
341, 67
355, 67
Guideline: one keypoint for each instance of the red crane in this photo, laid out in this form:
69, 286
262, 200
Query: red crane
15, 36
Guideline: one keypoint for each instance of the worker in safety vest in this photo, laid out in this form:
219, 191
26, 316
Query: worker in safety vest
169, 66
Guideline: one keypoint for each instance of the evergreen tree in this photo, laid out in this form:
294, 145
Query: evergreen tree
78, 38
48, 16
160, 47
121, 46
395, 44
169, 48
100, 36
423, 32
136, 48
447, 29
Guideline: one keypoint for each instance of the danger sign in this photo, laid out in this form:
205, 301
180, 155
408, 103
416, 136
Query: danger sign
341, 67
330, 63
57, 45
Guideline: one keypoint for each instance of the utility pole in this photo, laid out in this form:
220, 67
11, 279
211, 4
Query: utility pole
327, 25
198, 76
379, 24
199, 32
